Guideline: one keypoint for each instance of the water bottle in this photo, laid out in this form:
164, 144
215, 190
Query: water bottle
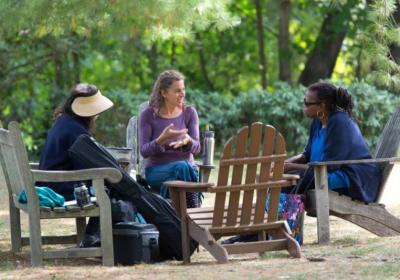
208, 148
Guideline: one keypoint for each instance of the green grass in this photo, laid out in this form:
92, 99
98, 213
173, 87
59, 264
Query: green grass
353, 254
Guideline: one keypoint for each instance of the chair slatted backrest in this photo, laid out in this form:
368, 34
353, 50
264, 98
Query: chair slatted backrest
254, 160
14, 160
388, 146
138, 163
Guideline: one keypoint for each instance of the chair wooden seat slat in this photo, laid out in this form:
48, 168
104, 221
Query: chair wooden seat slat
20, 175
370, 216
245, 180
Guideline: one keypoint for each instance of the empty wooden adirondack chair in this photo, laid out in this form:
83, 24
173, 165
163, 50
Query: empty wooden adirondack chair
373, 216
250, 169
20, 176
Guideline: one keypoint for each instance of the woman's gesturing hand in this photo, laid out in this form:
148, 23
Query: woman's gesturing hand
180, 143
169, 133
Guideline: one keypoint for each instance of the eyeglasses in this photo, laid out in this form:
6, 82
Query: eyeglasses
310, 103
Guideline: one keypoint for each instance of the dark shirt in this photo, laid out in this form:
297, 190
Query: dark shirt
343, 141
60, 138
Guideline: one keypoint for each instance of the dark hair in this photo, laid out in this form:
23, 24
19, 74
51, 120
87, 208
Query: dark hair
335, 98
163, 82
80, 90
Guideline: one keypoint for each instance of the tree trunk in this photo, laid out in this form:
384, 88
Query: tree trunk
395, 49
173, 54
260, 37
153, 60
203, 63
59, 75
76, 67
322, 59
283, 41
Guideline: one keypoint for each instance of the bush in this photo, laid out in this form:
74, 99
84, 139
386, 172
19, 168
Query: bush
373, 107
111, 125
225, 114
283, 109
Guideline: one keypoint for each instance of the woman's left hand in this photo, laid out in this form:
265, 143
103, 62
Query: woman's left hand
182, 142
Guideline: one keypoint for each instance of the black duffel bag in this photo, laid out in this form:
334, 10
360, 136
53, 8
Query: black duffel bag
87, 153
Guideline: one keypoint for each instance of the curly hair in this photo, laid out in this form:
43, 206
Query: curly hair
162, 83
335, 98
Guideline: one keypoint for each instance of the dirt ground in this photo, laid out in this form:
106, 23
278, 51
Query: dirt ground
353, 254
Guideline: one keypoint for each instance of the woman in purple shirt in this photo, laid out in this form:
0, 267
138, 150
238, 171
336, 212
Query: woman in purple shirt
169, 135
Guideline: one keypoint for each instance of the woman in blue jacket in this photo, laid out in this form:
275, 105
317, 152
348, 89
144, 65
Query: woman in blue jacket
74, 118
335, 135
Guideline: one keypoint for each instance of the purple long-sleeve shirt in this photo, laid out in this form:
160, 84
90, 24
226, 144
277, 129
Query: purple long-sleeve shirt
152, 125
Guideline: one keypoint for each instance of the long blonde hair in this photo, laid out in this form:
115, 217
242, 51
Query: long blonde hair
163, 82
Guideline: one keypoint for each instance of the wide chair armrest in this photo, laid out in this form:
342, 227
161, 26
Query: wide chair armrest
356, 161
34, 165
111, 174
188, 186
178, 189
205, 166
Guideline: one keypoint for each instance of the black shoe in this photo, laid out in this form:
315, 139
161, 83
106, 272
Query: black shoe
240, 238
90, 241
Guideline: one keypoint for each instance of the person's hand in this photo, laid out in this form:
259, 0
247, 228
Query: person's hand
287, 167
294, 166
169, 133
180, 143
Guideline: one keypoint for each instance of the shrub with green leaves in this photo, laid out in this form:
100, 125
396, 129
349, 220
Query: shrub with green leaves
281, 107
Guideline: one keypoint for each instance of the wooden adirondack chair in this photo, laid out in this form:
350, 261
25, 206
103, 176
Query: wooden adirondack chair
241, 160
138, 163
373, 216
20, 176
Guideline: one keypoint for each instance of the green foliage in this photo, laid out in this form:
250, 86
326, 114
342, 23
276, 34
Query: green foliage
153, 18
281, 107
111, 126
382, 33
373, 108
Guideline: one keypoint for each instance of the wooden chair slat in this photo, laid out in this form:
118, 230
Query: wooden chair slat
251, 172
265, 171
241, 146
223, 177
277, 174
252, 160
388, 146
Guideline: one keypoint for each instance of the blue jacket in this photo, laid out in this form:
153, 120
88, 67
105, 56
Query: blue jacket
343, 141
60, 138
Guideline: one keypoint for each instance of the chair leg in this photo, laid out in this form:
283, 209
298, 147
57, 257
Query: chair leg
15, 227
35, 240
205, 239
261, 237
106, 235
322, 201
106, 240
185, 241
80, 229
293, 246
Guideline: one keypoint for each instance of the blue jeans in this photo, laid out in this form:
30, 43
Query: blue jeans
176, 170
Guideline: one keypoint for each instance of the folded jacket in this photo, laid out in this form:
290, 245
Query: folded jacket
47, 197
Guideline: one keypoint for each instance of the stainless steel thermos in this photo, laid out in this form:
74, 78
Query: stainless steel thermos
208, 148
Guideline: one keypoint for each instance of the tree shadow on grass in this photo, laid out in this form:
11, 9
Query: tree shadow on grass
12, 261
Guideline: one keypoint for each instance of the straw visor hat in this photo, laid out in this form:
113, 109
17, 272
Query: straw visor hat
88, 106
